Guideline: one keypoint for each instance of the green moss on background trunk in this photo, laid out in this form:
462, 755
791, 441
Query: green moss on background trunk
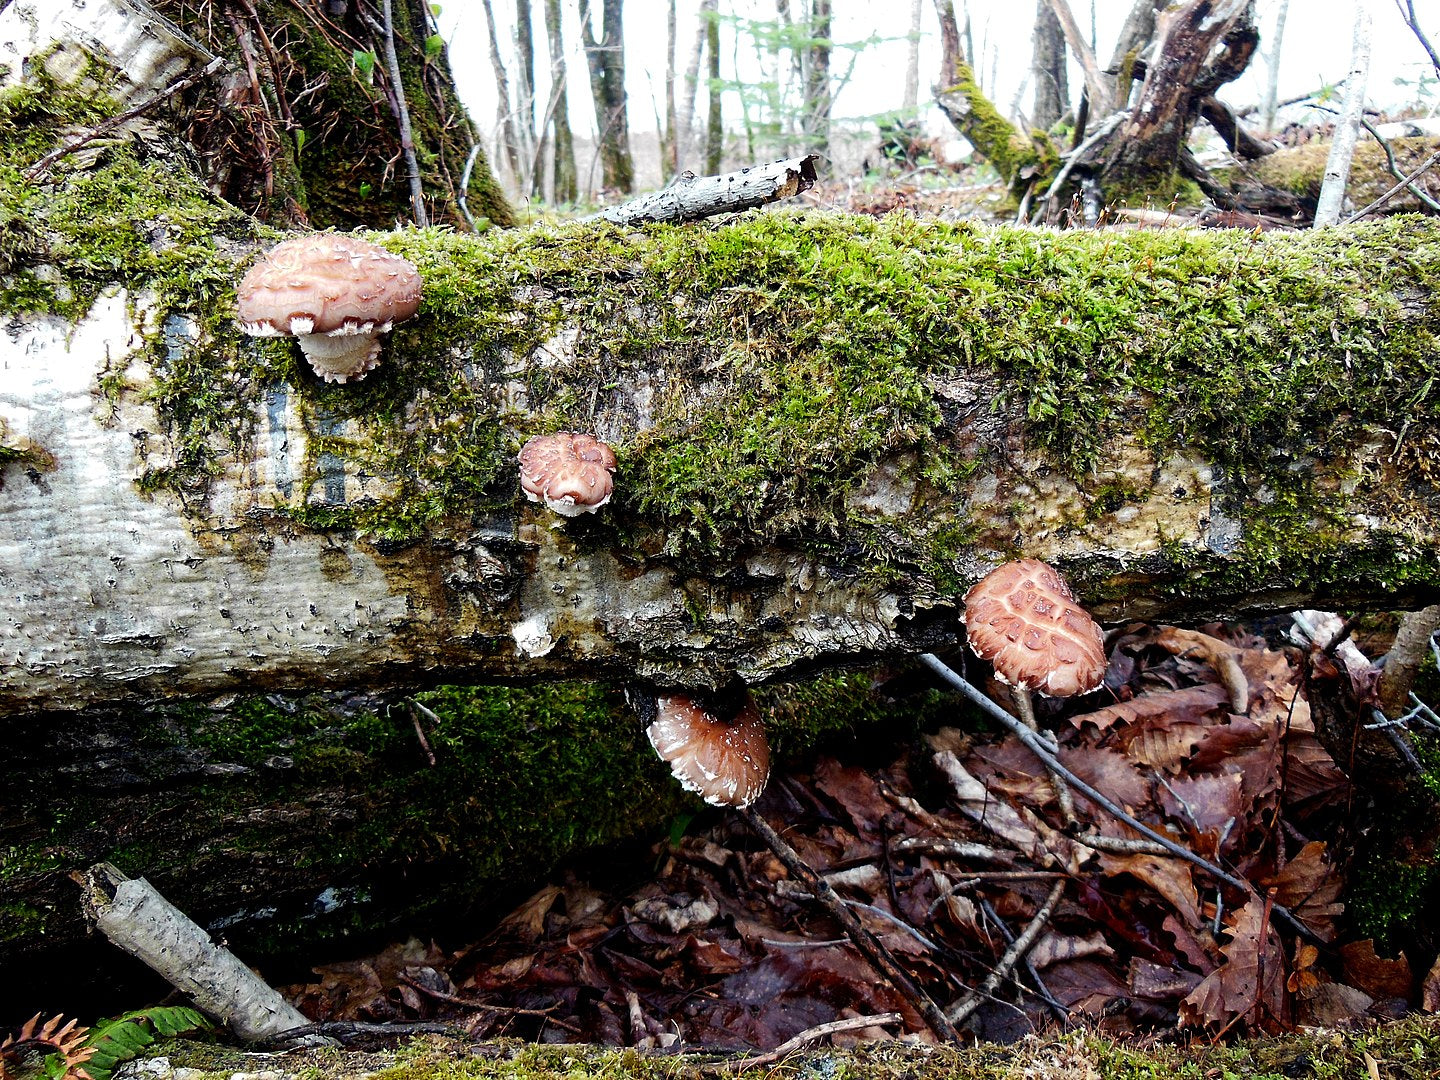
327, 127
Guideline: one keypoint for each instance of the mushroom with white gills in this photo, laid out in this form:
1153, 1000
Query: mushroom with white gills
717, 752
336, 294
1023, 618
727, 762
569, 471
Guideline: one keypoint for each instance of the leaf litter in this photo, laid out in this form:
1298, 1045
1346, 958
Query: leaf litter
946, 854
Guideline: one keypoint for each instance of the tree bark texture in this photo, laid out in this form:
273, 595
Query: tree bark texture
1150, 142
606, 58
1048, 68
566, 187
714, 125
815, 117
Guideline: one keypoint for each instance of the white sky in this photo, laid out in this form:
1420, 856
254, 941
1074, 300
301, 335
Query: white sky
1315, 52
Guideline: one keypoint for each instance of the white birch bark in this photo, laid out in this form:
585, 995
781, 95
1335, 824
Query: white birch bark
1347, 126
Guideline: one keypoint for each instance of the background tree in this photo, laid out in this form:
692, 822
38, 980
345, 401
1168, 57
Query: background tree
606, 58
1048, 68
564, 172
303, 126
714, 128
819, 97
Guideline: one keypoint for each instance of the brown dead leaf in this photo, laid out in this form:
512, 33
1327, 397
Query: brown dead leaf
1164, 747
1309, 886
1333, 1005
1311, 775
1201, 955
1107, 772
1382, 979
1190, 705
980, 805
1053, 947
1251, 981
1157, 983
527, 922
1169, 877
1430, 990
1222, 657
1206, 803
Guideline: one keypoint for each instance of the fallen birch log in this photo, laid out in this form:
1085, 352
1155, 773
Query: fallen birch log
826, 429
693, 197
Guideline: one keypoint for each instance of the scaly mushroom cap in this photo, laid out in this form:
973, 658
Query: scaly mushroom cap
569, 471
725, 763
1023, 618
335, 293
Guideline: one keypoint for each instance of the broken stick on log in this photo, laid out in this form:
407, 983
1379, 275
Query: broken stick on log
136, 918
692, 197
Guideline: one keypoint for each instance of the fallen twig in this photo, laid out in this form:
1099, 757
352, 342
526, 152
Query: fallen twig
402, 115
1037, 746
1058, 1008
1394, 168
870, 947
1425, 166
137, 919
691, 197
108, 125
809, 1035
961, 1010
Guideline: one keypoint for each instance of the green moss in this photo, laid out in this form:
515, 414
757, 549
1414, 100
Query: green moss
1018, 160
817, 342
1404, 1050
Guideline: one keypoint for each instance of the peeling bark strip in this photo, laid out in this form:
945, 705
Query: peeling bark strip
693, 197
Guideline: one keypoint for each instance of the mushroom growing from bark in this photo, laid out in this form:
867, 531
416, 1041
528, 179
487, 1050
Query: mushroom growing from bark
724, 761
569, 471
1023, 618
335, 293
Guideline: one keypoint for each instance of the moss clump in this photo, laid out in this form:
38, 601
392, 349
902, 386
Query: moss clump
1404, 1050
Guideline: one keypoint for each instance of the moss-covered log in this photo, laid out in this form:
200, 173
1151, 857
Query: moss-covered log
826, 427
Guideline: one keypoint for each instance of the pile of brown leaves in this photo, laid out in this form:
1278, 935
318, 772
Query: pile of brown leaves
946, 855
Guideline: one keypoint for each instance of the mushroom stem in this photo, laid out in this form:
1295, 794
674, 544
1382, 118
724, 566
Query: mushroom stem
1025, 706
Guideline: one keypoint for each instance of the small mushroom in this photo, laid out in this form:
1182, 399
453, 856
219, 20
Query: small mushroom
570, 472
725, 762
335, 293
1023, 618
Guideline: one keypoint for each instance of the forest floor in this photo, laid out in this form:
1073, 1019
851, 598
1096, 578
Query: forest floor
953, 847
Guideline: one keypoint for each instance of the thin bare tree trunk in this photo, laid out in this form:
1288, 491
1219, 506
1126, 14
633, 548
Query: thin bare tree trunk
504, 116
912, 64
1272, 80
692, 83
606, 59
816, 115
1098, 86
669, 148
714, 131
531, 147
1347, 127
1135, 34
1052, 90
564, 173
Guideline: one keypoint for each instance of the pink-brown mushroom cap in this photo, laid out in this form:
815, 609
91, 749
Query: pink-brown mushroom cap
569, 471
1023, 618
725, 763
335, 293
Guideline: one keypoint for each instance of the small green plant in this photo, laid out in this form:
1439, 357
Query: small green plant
121, 1039
364, 62
433, 44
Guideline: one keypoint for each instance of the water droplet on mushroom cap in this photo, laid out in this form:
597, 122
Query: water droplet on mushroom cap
725, 762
